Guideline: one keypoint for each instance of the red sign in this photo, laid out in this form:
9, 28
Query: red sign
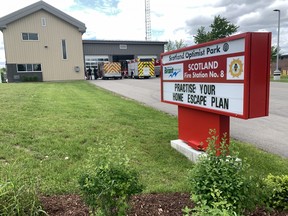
229, 76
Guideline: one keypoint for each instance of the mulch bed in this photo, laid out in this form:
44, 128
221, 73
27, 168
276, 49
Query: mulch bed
165, 204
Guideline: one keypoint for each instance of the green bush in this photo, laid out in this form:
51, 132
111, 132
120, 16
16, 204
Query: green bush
17, 199
218, 183
277, 187
2, 76
108, 182
29, 79
205, 210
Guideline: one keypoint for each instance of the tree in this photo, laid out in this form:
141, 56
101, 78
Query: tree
202, 36
274, 53
175, 45
220, 28
169, 46
180, 44
2, 73
3, 70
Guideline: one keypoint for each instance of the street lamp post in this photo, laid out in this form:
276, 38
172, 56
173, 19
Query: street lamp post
277, 72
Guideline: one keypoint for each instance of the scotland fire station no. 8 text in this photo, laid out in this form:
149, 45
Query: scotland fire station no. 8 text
199, 94
203, 70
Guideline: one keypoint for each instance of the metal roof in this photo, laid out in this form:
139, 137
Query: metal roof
123, 42
40, 5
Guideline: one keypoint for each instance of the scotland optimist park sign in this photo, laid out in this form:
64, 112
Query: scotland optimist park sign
226, 77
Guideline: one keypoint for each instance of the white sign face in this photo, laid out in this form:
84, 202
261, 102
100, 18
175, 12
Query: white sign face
123, 46
226, 48
224, 97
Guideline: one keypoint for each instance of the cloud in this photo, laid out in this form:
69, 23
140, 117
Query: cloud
250, 16
129, 24
170, 20
108, 7
195, 23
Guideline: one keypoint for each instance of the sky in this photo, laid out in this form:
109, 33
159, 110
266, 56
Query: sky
170, 20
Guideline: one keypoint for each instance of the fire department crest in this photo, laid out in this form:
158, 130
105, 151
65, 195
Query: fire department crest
236, 68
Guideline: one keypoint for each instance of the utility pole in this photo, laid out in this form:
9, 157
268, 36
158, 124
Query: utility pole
277, 72
147, 20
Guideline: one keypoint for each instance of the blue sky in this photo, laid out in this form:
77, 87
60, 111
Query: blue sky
170, 20
108, 7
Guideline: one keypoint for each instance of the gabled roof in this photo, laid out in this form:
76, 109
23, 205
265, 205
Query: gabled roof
40, 5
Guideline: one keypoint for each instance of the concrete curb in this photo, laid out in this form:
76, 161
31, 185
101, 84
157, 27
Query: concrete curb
186, 150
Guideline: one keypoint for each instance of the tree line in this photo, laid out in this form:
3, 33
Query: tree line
219, 28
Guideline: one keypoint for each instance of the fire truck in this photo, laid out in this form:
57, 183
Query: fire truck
141, 68
108, 70
157, 67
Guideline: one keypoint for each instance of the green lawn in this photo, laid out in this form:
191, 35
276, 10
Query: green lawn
283, 78
47, 128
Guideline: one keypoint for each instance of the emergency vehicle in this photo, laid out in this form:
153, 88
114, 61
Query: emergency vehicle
108, 70
157, 67
141, 68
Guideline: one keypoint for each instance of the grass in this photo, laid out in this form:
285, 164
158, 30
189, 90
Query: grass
47, 129
283, 78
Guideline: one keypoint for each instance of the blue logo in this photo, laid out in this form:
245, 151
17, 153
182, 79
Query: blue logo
174, 73
171, 71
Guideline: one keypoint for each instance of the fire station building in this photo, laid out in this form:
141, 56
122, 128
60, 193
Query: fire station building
96, 51
43, 43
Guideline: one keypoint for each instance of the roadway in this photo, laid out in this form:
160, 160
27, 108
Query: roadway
266, 133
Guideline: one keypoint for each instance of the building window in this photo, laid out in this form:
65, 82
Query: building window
21, 67
29, 68
64, 49
43, 21
29, 36
93, 61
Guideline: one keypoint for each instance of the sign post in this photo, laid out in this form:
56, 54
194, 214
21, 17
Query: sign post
214, 81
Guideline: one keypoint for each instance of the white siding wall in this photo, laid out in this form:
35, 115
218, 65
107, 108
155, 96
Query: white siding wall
53, 66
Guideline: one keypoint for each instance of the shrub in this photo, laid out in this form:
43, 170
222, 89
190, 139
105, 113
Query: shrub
219, 184
108, 182
209, 211
29, 79
2, 76
277, 187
